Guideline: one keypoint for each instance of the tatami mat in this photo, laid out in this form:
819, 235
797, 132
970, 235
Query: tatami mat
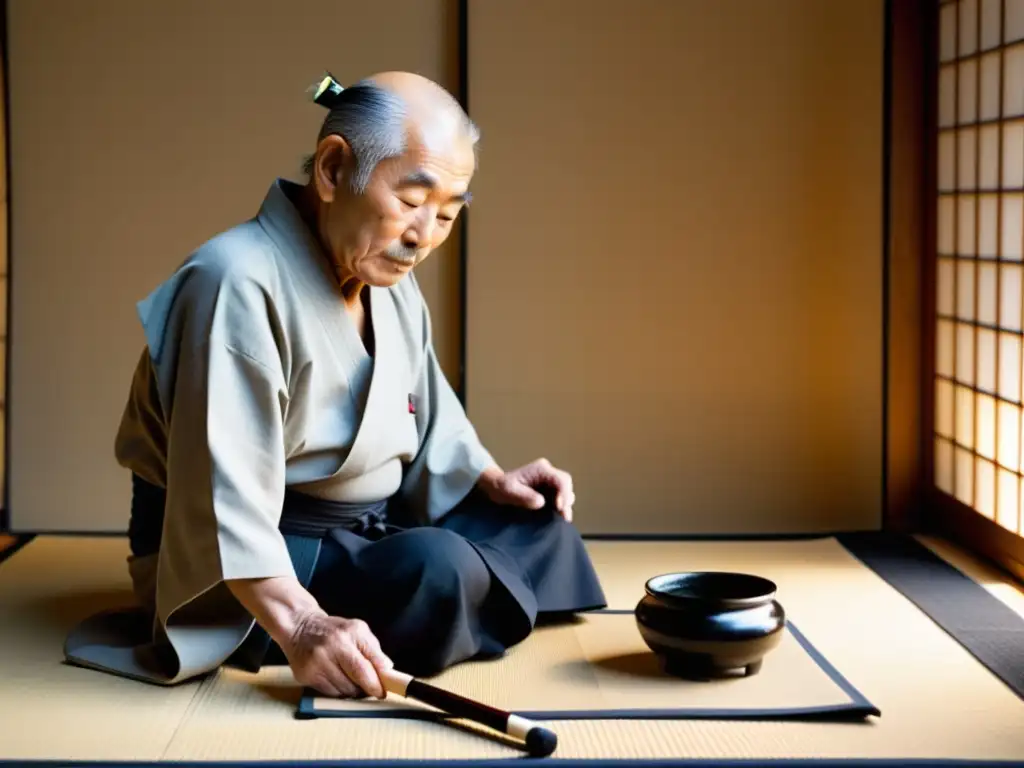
599, 668
936, 700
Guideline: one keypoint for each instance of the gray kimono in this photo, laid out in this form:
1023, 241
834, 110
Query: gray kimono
255, 380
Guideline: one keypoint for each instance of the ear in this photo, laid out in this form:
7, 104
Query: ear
334, 161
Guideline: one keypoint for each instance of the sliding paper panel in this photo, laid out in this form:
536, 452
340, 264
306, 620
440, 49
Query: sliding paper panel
1014, 12
967, 157
985, 487
1009, 367
1013, 81
985, 433
986, 361
678, 324
139, 130
948, 32
967, 27
988, 157
1009, 435
944, 349
944, 408
965, 356
1011, 280
991, 12
947, 96
1013, 154
989, 87
964, 476
967, 217
988, 241
980, 220
965, 292
1008, 495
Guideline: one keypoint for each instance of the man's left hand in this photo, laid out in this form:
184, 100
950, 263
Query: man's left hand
522, 487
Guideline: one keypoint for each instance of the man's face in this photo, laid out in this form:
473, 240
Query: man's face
407, 210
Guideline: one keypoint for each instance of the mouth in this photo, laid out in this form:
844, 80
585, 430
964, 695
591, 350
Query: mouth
401, 263
406, 259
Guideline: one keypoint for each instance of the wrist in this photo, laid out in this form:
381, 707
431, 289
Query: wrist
489, 478
280, 605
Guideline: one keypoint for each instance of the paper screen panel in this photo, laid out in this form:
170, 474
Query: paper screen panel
979, 246
672, 344
208, 101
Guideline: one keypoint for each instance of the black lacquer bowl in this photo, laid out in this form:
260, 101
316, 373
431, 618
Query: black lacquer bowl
710, 624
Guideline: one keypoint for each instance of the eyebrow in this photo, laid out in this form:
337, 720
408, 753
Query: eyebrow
423, 179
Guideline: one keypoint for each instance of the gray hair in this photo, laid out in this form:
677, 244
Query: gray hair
372, 120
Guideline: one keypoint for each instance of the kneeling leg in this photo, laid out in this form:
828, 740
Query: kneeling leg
422, 592
548, 553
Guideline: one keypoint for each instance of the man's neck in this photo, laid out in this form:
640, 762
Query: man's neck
308, 205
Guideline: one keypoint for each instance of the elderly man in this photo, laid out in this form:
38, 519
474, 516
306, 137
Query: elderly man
307, 488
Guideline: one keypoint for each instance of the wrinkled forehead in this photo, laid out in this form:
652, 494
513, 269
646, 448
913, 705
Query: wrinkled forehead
439, 157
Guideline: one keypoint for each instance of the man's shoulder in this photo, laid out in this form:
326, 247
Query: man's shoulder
233, 272
238, 256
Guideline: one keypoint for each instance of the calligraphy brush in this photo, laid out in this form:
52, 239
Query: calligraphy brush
540, 742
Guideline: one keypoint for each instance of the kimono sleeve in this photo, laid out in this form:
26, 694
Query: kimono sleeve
215, 355
451, 456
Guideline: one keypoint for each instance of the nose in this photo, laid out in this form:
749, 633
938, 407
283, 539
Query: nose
420, 232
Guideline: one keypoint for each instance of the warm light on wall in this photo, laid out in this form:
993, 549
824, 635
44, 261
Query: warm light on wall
979, 387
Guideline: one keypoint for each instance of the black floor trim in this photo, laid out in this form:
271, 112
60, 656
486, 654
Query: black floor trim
813, 536
16, 547
550, 761
990, 630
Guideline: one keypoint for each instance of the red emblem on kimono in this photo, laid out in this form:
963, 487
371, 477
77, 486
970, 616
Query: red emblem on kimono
412, 404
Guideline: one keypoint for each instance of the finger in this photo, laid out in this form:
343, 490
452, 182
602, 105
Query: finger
372, 651
380, 660
360, 671
523, 495
562, 483
324, 685
570, 502
330, 669
369, 645
334, 683
336, 676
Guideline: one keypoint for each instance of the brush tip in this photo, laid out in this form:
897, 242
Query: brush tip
540, 742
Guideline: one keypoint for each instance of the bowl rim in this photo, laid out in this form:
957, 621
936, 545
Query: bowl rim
767, 595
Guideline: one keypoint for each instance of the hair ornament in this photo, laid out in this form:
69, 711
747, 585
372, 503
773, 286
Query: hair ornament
326, 91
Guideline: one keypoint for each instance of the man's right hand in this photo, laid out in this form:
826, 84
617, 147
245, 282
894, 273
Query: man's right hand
338, 657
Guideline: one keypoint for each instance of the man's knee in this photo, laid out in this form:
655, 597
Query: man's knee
449, 567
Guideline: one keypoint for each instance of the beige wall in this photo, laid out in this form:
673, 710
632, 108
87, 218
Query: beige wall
139, 130
675, 265
675, 257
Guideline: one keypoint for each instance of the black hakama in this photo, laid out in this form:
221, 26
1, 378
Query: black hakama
470, 586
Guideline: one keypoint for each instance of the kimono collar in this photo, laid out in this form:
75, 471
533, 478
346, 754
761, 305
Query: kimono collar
283, 222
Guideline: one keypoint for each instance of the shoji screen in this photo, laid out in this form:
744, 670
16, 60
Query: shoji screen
980, 269
138, 130
3, 301
675, 257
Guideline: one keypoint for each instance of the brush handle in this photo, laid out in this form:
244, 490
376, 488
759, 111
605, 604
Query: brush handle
540, 742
